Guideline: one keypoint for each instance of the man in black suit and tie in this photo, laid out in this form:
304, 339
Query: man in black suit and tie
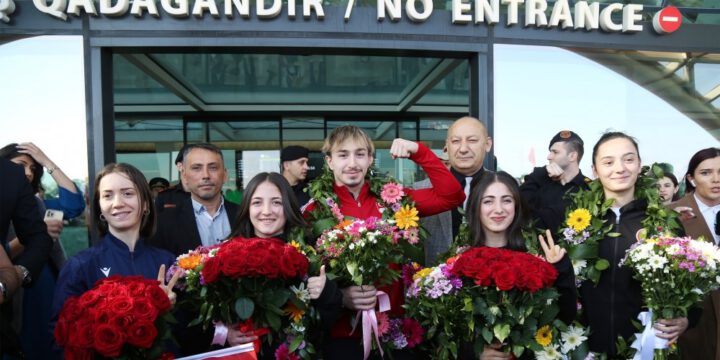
19, 206
466, 145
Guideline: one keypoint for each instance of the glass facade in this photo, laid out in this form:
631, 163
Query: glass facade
299, 99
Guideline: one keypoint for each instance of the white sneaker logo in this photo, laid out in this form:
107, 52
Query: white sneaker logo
106, 271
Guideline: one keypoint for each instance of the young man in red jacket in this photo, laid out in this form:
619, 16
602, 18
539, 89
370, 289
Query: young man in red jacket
349, 154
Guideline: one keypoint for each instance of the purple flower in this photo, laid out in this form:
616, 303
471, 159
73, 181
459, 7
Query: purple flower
396, 207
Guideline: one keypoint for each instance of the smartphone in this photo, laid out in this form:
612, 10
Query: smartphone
51, 214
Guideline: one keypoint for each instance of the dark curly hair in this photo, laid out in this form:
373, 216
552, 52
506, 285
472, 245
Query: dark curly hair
10, 151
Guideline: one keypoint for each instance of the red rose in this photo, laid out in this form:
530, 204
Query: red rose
61, 333
103, 316
109, 340
144, 310
167, 356
159, 298
121, 304
81, 334
234, 267
123, 321
136, 288
89, 298
211, 270
142, 334
71, 309
504, 279
76, 353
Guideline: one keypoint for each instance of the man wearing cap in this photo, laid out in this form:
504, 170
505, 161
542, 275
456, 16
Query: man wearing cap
545, 188
294, 166
176, 194
158, 185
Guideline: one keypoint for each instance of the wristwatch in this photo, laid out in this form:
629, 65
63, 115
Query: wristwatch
25, 274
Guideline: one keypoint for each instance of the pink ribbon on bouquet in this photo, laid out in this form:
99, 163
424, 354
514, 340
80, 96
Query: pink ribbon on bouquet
370, 323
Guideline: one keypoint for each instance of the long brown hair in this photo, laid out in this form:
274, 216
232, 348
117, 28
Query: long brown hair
147, 225
293, 218
513, 233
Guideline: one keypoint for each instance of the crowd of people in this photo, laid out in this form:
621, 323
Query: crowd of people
145, 225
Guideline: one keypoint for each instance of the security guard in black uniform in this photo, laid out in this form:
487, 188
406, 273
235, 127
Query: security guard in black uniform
545, 188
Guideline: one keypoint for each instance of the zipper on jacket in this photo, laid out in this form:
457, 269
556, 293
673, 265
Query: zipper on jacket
612, 282
132, 263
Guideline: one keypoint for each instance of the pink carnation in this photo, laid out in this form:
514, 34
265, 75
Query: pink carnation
392, 193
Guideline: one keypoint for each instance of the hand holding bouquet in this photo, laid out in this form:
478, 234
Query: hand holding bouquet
510, 295
675, 274
253, 282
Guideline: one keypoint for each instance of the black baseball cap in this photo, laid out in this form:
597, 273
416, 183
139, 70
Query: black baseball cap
565, 135
158, 181
293, 152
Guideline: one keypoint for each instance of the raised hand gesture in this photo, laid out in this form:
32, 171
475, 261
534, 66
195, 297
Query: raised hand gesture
316, 284
402, 148
553, 253
168, 288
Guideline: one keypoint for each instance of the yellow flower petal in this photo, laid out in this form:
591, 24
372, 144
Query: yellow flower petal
579, 219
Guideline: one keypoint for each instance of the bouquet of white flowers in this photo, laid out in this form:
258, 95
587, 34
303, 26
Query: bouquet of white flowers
675, 274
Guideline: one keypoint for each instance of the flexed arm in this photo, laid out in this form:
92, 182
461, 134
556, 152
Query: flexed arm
445, 193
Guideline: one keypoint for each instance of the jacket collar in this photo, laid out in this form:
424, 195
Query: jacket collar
111, 242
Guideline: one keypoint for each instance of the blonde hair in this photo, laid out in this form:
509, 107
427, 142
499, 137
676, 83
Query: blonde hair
344, 133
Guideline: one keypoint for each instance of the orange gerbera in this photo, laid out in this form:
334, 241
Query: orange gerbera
294, 313
189, 262
343, 224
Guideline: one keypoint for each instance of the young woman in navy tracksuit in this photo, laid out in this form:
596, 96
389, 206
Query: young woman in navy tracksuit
125, 216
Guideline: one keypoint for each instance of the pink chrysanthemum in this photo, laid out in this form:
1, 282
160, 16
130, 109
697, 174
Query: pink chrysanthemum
392, 193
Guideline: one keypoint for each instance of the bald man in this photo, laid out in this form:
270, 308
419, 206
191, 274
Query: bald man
467, 144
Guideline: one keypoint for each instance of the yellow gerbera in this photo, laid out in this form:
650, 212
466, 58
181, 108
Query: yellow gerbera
293, 312
579, 219
189, 262
543, 336
296, 245
422, 273
407, 217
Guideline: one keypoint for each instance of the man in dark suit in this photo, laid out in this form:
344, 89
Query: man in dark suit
19, 206
199, 216
203, 217
466, 144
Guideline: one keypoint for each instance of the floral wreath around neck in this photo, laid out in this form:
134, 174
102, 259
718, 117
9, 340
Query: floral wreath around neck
586, 225
395, 204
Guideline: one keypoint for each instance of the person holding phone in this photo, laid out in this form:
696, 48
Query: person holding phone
31, 305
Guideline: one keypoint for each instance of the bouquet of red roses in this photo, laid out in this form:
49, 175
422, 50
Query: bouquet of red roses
510, 295
257, 283
121, 317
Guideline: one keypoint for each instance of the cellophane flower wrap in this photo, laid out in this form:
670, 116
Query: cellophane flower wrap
257, 283
437, 299
121, 317
510, 297
674, 274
